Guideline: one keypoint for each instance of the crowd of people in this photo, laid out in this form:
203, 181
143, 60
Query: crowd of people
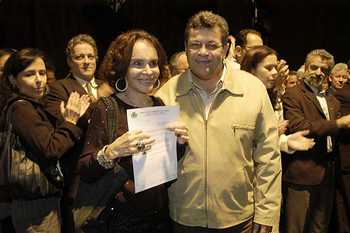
260, 148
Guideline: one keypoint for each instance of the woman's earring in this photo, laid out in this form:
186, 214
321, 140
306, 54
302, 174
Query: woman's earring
158, 84
117, 86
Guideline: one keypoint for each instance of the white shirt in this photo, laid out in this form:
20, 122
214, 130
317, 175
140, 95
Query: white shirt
321, 97
208, 98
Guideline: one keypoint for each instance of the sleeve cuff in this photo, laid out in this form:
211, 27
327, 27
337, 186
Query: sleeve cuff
103, 160
283, 141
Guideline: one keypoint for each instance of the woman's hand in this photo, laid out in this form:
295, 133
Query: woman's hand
76, 107
282, 127
180, 131
298, 141
128, 144
282, 68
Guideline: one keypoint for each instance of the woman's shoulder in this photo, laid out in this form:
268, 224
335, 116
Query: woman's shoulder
21, 104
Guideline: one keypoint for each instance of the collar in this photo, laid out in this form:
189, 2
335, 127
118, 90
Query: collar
218, 85
230, 79
84, 82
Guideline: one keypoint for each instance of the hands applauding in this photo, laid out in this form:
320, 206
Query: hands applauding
76, 107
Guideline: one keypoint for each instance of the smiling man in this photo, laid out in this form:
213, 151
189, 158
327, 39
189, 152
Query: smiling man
229, 178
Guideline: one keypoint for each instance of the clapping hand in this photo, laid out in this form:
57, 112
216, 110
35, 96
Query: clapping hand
282, 127
76, 107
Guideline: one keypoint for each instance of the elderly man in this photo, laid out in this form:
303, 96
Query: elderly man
309, 175
229, 178
339, 76
343, 168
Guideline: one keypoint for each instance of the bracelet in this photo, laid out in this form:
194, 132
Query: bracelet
103, 160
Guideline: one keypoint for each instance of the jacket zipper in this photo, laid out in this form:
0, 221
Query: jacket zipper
206, 169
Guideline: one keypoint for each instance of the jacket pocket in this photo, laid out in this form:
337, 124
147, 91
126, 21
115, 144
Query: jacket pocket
244, 135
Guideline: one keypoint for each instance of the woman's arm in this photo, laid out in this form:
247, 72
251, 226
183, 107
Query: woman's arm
34, 129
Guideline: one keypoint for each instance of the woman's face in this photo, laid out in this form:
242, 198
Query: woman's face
266, 71
143, 70
31, 81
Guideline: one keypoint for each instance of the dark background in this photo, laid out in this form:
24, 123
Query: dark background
291, 27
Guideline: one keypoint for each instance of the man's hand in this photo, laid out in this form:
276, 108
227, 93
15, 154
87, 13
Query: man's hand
344, 121
258, 228
282, 127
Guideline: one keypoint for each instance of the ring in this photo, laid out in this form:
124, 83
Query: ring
140, 145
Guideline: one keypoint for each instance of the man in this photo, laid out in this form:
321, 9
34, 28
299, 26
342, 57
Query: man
178, 63
81, 58
339, 76
343, 167
229, 178
309, 175
292, 79
246, 39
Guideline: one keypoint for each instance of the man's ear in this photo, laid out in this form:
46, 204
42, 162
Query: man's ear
238, 52
329, 77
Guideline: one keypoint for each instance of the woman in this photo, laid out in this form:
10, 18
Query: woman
25, 79
262, 62
135, 66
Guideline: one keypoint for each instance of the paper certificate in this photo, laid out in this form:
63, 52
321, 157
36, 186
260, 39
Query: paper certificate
159, 164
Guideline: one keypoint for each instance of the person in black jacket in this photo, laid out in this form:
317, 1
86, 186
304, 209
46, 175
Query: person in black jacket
25, 76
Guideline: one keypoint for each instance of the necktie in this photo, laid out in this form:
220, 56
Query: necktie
90, 92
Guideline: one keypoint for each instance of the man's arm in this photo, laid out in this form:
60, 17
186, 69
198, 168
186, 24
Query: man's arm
294, 112
267, 170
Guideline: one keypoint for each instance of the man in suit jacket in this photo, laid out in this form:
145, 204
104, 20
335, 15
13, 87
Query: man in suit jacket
343, 168
309, 175
81, 58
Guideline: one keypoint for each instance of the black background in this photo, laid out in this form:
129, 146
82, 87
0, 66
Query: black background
291, 27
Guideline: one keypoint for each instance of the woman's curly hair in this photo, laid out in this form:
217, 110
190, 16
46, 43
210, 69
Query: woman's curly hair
116, 62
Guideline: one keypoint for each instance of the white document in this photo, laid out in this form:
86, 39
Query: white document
159, 164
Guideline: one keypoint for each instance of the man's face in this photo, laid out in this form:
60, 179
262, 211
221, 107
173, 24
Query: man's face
292, 81
252, 40
316, 71
3, 60
82, 61
205, 52
180, 66
338, 78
